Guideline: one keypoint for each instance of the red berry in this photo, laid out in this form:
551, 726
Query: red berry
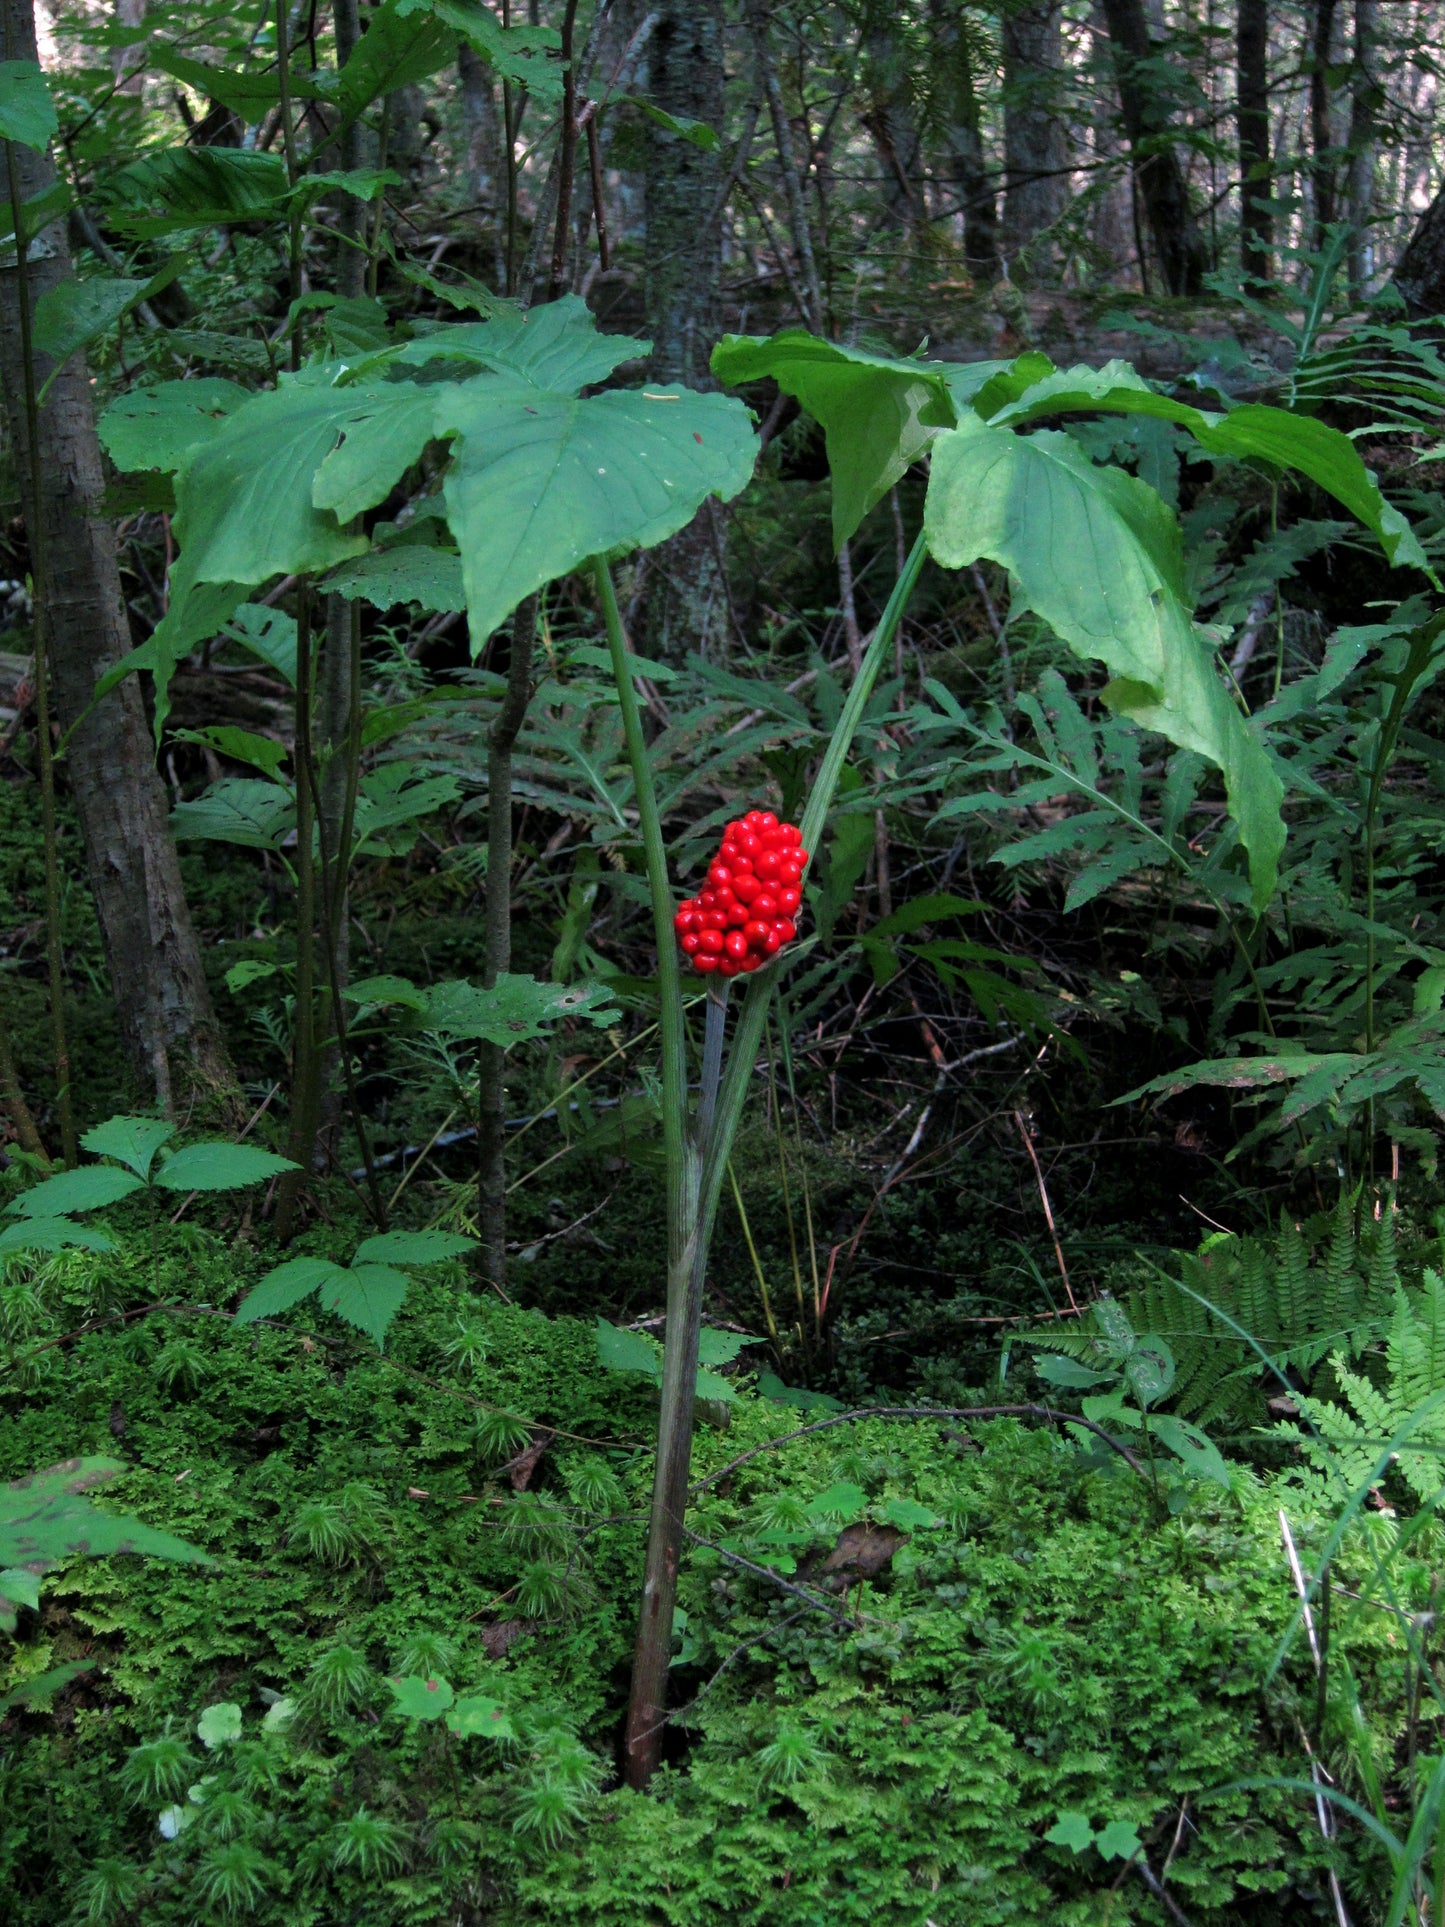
728, 966
785, 931
702, 961
746, 888
789, 899
710, 940
772, 942
735, 944
691, 942
755, 930
752, 960
719, 876
765, 904
767, 864
754, 819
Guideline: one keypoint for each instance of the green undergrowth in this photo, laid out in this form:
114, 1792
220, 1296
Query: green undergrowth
1042, 1649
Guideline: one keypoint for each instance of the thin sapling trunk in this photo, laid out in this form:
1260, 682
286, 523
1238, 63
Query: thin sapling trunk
492, 1058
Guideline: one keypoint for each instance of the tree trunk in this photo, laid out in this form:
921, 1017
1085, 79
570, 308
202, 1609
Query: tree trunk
963, 137
687, 604
1035, 182
167, 1023
1419, 276
1256, 223
1322, 133
887, 112
1364, 106
1111, 230
1163, 192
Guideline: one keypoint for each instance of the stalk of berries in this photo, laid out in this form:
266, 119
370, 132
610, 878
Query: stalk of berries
745, 912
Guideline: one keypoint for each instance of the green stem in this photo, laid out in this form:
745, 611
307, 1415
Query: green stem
39, 573
695, 1172
647, 1711
305, 1055
712, 1058
1417, 661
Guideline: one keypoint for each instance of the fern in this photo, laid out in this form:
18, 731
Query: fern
1348, 1441
1293, 1305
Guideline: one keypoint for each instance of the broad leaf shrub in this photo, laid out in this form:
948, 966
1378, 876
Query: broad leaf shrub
1038, 1648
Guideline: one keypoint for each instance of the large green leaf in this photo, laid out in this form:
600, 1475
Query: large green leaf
413, 1247
384, 427
554, 346
396, 797
541, 481
395, 51
27, 113
1097, 555
239, 809
197, 612
74, 312
286, 1285
177, 188
248, 93
409, 572
1026, 393
244, 498
368, 1296
514, 1009
269, 634
158, 427
44, 1518
219, 1167
52, 1234
878, 413
131, 1141
517, 53
89, 1188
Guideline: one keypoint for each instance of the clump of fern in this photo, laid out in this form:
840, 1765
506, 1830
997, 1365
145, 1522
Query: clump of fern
1246, 1313
1391, 1418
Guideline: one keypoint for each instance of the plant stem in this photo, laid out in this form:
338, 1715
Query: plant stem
648, 1709
712, 1058
492, 1058
13, 1098
305, 1057
695, 1173
39, 573
1417, 661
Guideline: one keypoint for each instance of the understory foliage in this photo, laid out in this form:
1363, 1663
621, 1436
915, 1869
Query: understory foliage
1040, 1562
390, 1699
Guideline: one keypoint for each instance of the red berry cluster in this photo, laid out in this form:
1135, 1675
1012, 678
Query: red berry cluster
745, 913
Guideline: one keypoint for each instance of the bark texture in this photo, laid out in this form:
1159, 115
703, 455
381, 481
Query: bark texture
1035, 183
1365, 96
167, 1023
1322, 133
1179, 247
687, 605
1256, 224
1419, 275
963, 137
